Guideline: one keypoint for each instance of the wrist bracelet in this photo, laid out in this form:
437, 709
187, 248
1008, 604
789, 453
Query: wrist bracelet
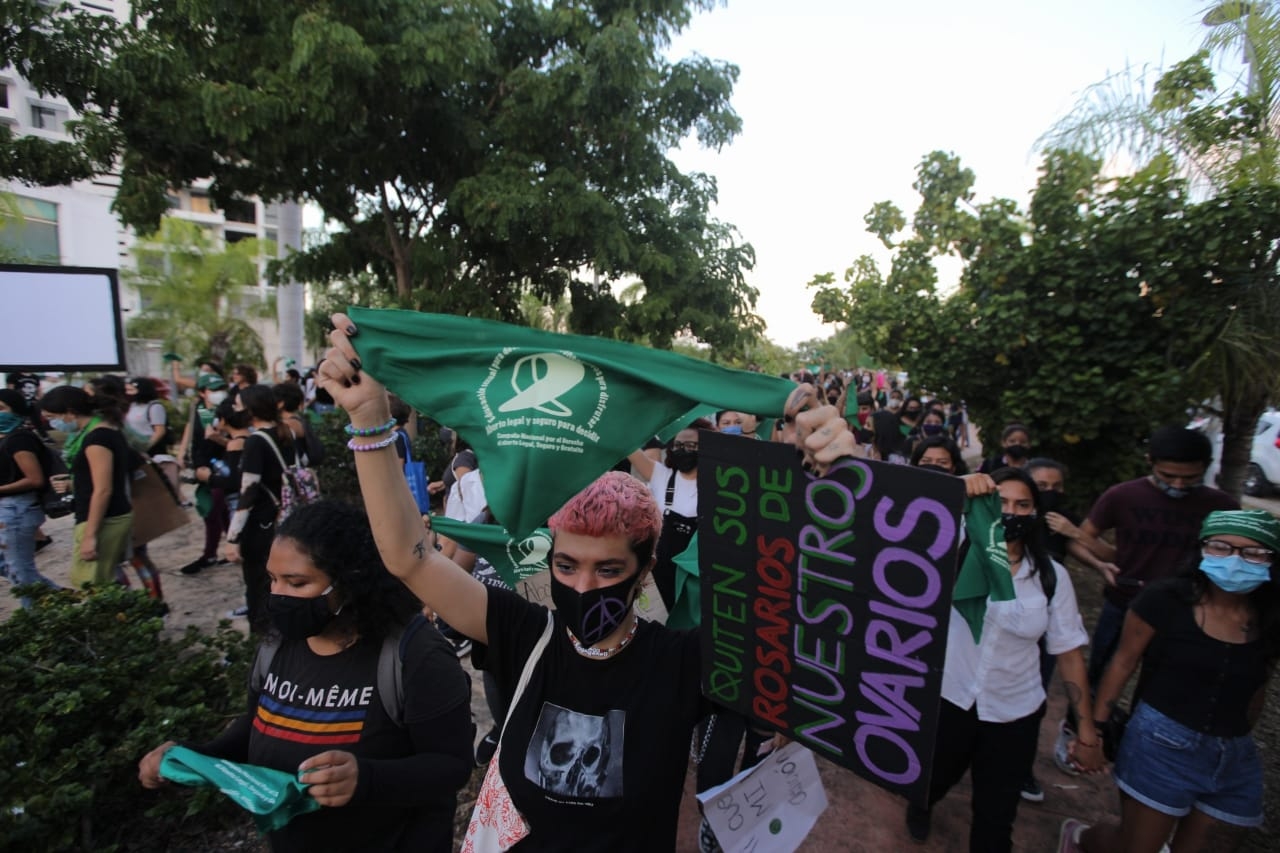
377, 445
378, 430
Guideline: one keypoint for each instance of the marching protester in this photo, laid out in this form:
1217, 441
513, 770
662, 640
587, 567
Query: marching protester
992, 694
253, 525
385, 770
22, 476
1208, 640
588, 672
97, 456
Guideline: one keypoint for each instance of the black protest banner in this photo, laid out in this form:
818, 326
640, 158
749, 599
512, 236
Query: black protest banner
825, 602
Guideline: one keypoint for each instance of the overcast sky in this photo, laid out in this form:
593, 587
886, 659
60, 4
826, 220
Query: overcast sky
841, 99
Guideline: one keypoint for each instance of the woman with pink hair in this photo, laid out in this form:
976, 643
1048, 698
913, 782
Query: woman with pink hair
595, 745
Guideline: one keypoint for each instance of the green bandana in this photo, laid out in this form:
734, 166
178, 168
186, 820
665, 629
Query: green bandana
549, 412
985, 571
513, 559
72, 448
272, 796
687, 610
1256, 524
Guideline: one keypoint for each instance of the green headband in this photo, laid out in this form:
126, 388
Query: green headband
1258, 525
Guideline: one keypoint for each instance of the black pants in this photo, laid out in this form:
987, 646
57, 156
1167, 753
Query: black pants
998, 755
255, 547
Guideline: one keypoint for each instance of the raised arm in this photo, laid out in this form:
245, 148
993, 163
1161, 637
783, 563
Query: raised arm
407, 549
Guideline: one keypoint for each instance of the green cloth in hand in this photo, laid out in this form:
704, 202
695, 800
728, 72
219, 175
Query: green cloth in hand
272, 796
985, 572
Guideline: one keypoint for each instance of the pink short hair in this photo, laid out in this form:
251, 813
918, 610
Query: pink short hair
616, 504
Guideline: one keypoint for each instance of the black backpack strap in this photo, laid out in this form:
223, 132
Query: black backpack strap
671, 491
262, 661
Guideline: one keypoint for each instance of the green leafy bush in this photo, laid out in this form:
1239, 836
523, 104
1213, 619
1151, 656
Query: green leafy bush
90, 686
338, 472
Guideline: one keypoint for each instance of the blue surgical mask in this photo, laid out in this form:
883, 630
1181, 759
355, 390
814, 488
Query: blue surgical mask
1175, 492
732, 429
68, 425
1234, 573
9, 422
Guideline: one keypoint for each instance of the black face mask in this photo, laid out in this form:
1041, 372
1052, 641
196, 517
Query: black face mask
1017, 451
595, 614
298, 618
683, 461
1017, 527
1051, 501
911, 414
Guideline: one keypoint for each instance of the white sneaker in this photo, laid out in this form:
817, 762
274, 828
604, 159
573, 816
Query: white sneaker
1061, 755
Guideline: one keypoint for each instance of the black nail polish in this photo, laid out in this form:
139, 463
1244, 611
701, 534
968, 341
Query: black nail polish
799, 453
355, 380
346, 383
355, 364
351, 331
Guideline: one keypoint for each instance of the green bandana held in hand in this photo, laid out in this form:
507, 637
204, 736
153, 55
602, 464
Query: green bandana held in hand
513, 559
546, 413
985, 571
272, 796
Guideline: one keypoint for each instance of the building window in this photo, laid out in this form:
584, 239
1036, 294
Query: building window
201, 203
241, 210
44, 118
29, 231
4, 95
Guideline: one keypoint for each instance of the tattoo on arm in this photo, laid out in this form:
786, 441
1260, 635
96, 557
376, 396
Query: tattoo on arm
420, 550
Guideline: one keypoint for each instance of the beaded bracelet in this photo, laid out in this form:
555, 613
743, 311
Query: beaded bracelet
377, 445
378, 430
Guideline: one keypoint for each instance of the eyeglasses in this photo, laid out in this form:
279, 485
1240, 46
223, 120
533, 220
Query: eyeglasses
1250, 553
684, 445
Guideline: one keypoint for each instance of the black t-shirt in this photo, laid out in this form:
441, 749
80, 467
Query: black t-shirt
1203, 683
594, 754
258, 458
19, 441
406, 793
82, 477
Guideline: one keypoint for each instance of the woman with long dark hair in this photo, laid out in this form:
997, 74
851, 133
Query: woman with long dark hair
253, 526
385, 768
97, 456
939, 451
993, 698
1207, 641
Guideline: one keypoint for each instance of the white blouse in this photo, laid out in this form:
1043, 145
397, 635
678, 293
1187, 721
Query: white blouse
1002, 673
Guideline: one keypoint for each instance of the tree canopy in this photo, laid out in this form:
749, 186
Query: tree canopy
1092, 316
470, 152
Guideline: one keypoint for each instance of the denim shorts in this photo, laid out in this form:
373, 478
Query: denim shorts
1173, 769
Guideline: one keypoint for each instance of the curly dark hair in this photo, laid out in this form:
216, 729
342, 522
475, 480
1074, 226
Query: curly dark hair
338, 539
959, 467
1192, 585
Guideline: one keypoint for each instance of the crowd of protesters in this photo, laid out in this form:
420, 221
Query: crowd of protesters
1187, 577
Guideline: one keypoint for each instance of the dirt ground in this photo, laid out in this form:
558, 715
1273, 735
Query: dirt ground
861, 817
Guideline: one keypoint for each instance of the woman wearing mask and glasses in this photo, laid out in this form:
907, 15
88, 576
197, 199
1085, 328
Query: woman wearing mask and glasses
1207, 641
386, 772
674, 485
595, 750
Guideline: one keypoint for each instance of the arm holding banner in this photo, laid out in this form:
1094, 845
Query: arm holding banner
407, 549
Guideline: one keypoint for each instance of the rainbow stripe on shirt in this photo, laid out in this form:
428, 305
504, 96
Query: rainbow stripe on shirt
300, 725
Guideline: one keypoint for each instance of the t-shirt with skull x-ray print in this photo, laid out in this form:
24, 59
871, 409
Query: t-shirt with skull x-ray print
594, 754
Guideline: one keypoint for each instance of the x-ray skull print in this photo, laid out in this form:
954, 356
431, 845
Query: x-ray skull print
577, 755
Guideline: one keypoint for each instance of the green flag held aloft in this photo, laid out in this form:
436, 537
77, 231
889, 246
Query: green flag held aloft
513, 559
545, 413
985, 571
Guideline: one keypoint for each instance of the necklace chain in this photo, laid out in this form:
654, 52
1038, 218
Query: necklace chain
593, 652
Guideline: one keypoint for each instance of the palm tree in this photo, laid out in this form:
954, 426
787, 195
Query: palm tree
198, 298
1219, 130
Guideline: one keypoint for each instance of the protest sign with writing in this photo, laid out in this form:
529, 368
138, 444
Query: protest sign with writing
825, 602
769, 808
545, 413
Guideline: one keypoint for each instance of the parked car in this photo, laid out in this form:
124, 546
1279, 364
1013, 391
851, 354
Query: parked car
1263, 475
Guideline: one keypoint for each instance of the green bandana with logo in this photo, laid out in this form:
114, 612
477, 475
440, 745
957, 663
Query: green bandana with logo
985, 572
272, 796
546, 413
513, 559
